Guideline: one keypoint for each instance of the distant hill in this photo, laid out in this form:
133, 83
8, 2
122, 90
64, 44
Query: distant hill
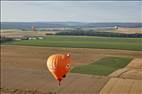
28, 25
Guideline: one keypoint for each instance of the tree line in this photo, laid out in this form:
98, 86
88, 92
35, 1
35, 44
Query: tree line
4, 39
98, 33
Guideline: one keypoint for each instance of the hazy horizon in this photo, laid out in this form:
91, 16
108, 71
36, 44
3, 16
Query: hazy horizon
72, 11
62, 22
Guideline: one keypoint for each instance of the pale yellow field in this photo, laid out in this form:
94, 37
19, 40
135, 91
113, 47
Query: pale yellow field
122, 86
129, 30
19, 33
126, 81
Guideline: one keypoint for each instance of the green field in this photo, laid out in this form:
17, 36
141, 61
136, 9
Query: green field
85, 42
104, 66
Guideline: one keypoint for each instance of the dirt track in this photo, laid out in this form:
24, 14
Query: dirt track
23, 70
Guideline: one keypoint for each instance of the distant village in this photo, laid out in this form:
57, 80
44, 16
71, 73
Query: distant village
32, 35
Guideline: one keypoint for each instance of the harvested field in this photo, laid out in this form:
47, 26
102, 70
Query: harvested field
136, 64
128, 81
118, 72
134, 70
18, 33
129, 30
128, 73
132, 74
122, 86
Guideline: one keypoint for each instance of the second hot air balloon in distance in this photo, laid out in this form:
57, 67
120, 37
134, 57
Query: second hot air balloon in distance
59, 65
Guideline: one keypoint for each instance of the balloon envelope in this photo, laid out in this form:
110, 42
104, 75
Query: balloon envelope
59, 65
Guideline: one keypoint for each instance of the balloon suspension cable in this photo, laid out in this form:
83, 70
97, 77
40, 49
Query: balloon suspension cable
59, 83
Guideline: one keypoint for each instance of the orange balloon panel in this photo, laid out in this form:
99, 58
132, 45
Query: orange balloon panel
59, 65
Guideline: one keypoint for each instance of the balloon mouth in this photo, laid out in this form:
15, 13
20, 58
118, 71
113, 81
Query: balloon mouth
68, 55
64, 76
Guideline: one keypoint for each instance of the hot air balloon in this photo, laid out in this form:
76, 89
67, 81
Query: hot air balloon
59, 65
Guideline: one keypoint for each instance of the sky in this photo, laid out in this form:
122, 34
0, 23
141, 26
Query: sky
78, 11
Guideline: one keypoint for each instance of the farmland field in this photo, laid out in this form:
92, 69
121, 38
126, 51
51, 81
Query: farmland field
85, 42
24, 70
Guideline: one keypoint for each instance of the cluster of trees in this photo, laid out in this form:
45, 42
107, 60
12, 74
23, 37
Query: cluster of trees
98, 33
4, 39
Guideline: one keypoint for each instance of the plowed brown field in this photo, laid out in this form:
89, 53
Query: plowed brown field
23, 80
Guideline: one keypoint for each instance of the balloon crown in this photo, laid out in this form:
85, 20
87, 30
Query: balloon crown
68, 55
